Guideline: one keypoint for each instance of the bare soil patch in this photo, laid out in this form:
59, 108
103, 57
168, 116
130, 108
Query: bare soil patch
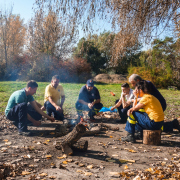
107, 156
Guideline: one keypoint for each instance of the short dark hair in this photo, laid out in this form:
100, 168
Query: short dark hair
126, 85
144, 86
32, 84
55, 77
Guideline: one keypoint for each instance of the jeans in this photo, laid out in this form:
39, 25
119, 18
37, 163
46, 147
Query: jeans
50, 109
139, 121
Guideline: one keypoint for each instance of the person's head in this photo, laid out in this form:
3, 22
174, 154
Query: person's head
55, 81
90, 84
31, 87
125, 88
134, 78
142, 87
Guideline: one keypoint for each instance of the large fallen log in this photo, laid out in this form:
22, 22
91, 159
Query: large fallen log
70, 139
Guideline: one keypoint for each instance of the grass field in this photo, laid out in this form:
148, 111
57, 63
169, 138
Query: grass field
72, 91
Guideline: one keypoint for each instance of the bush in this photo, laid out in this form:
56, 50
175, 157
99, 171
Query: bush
158, 77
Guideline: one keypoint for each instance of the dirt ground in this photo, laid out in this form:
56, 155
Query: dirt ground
107, 156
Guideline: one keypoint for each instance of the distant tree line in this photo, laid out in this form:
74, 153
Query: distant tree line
47, 45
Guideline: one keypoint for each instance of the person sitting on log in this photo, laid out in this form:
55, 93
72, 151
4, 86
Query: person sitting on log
152, 116
168, 126
88, 100
19, 111
53, 93
124, 103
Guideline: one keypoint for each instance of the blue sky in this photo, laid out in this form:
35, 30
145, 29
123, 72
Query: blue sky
21, 7
24, 9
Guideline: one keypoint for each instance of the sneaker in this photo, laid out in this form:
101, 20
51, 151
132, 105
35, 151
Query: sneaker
176, 124
129, 138
139, 135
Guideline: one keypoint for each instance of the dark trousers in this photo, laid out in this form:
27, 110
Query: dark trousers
50, 109
123, 112
18, 114
95, 109
139, 121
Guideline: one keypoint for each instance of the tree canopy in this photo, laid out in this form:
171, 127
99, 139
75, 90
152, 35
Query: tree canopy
134, 19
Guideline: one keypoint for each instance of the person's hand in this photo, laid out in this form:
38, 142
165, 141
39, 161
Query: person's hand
123, 94
90, 105
37, 123
43, 108
135, 92
130, 111
58, 108
112, 109
52, 119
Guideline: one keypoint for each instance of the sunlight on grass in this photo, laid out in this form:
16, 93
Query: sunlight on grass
72, 92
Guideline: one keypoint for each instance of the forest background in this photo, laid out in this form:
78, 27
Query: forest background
49, 44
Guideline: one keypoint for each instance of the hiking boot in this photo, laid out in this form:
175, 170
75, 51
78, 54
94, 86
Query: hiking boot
139, 135
129, 138
176, 124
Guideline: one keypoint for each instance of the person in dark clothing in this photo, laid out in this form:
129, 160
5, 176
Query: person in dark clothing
88, 100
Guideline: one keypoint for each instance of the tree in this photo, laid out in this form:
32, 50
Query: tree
48, 38
12, 39
134, 19
86, 49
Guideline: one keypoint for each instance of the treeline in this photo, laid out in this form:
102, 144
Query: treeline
46, 45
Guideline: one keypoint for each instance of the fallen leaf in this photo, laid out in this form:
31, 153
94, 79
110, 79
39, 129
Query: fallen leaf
48, 156
149, 169
38, 143
131, 150
81, 165
64, 162
111, 136
43, 174
6, 140
122, 161
79, 171
52, 133
25, 173
88, 173
114, 173
52, 177
90, 166
7, 143
126, 167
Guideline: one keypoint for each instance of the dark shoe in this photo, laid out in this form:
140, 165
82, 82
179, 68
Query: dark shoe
176, 124
129, 138
120, 122
139, 135
25, 133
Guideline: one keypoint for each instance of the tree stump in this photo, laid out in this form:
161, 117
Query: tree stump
152, 137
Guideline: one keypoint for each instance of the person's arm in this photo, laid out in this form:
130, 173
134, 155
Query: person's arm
58, 108
34, 105
85, 103
117, 104
62, 101
35, 123
136, 108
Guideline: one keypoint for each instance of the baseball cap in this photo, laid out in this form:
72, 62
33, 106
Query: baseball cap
90, 82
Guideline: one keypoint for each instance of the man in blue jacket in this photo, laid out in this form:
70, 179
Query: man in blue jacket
88, 100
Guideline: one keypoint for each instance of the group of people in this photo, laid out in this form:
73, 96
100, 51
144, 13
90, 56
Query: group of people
141, 108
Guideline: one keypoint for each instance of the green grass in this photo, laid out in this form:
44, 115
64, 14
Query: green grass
72, 91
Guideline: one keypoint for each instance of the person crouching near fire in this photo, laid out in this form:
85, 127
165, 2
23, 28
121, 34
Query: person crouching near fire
88, 100
17, 109
54, 99
152, 116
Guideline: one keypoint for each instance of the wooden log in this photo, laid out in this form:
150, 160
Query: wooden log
152, 137
80, 145
70, 139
